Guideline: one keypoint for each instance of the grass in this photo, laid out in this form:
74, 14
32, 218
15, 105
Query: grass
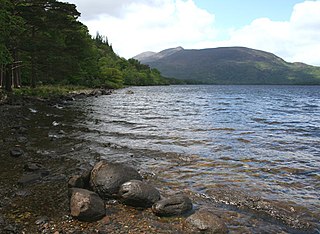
47, 91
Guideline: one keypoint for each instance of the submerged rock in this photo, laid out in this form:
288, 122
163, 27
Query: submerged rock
285, 213
106, 178
16, 152
86, 205
175, 205
138, 193
203, 221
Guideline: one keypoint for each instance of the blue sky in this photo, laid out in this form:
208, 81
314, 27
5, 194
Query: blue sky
236, 13
287, 28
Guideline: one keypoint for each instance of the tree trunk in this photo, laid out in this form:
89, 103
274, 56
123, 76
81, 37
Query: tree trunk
8, 78
1, 75
33, 69
16, 69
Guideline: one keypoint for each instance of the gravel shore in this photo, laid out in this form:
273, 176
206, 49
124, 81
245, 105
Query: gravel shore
39, 204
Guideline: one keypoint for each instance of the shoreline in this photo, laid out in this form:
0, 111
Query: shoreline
43, 204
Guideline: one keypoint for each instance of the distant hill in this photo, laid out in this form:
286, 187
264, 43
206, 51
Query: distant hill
229, 65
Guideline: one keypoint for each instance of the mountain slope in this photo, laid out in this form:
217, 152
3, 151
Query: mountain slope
230, 65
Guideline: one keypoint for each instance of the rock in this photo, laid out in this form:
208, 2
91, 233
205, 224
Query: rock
33, 167
42, 220
86, 205
29, 179
75, 181
23, 193
175, 205
16, 152
22, 139
2, 221
85, 175
106, 178
129, 92
277, 210
106, 92
138, 193
203, 221
11, 229
80, 181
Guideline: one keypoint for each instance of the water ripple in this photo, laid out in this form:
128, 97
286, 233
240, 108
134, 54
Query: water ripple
261, 138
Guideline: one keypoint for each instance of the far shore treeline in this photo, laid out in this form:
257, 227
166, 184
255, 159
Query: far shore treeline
43, 42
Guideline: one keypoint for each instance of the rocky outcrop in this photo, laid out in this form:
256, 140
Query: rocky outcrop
138, 193
175, 205
86, 205
204, 221
106, 178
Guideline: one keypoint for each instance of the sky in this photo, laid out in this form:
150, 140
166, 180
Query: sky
288, 28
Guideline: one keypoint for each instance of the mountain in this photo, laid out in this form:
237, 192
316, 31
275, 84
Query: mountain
152, 56
229, 65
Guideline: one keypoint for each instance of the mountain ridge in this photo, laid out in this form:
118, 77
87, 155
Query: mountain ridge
230, 65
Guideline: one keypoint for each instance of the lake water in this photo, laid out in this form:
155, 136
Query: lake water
263, 140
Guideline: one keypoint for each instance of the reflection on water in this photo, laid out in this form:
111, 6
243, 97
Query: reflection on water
262, 139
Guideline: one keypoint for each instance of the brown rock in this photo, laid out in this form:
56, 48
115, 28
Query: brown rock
86, 205
204, 221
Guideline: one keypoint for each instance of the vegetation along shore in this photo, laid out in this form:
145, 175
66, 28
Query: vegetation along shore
48, 60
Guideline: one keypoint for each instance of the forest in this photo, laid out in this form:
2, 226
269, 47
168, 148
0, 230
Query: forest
44, 43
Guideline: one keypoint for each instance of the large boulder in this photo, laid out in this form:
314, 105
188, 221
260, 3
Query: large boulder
86, 205
138, 193
106, 178
204, 221
175, 205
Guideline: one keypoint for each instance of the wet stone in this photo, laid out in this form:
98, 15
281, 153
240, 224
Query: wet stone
76, 182
23, 193
204, 221
16, 152
29, 179
22, 139
86, 205
106, 178
33, 167
138, 193
174, 205
41, 220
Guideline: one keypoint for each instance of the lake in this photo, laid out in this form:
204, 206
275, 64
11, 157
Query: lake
260, 140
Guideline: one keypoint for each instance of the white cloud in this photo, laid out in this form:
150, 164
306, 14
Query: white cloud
158, 25
94, 8
141, 25
296, 40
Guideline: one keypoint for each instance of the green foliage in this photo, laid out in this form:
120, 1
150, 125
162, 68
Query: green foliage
47, 91
56, 49
111, 77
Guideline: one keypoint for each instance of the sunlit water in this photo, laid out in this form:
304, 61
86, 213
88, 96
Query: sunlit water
261, 139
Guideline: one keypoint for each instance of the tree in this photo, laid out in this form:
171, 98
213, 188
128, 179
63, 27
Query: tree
54, 41
10, 26
111, 77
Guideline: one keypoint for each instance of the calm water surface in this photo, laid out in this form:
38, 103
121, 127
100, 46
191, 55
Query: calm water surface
261, 139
